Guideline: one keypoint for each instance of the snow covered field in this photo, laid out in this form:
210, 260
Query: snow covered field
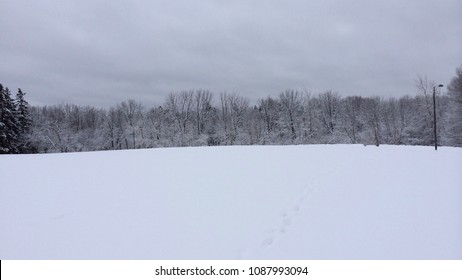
270, 202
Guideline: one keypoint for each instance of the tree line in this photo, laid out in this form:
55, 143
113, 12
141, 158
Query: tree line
201, 118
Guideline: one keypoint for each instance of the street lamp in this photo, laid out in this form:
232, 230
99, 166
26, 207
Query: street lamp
434, 114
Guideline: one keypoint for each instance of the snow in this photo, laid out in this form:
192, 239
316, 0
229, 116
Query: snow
247, 202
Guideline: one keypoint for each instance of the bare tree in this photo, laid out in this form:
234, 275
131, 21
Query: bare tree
269, 109
351, 117
254, 127
233, 107
179, 106
156, 124
372, 109
132, 113
393, 131
291, 106
311, 124
424, 91
329, 106
423, 116
202, 108
114, 127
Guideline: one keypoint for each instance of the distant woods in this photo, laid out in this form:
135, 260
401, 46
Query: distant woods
202, 118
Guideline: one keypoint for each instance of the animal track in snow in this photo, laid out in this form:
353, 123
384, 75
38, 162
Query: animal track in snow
287, 217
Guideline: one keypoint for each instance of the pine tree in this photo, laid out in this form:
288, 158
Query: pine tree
9, 133
3, 138
455, 109
23, 121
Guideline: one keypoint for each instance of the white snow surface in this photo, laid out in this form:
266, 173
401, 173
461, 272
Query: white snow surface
240, 202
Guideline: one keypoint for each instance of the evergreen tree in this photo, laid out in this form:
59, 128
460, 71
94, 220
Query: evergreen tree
455, 109
3, 137
23, 121
9, 133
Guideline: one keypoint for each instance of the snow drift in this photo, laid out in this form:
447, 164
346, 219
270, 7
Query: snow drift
271, 202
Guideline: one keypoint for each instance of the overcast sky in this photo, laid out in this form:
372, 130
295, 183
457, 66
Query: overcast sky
92, 52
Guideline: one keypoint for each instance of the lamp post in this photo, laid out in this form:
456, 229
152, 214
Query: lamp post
434, 114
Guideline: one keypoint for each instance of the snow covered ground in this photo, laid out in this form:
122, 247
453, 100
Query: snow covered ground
270, 202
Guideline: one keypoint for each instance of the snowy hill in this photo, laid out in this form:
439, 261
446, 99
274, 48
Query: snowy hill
272, 202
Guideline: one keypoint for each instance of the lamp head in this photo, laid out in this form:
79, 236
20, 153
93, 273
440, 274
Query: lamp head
440, 85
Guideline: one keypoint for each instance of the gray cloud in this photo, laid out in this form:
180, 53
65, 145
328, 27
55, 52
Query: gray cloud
103, 52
